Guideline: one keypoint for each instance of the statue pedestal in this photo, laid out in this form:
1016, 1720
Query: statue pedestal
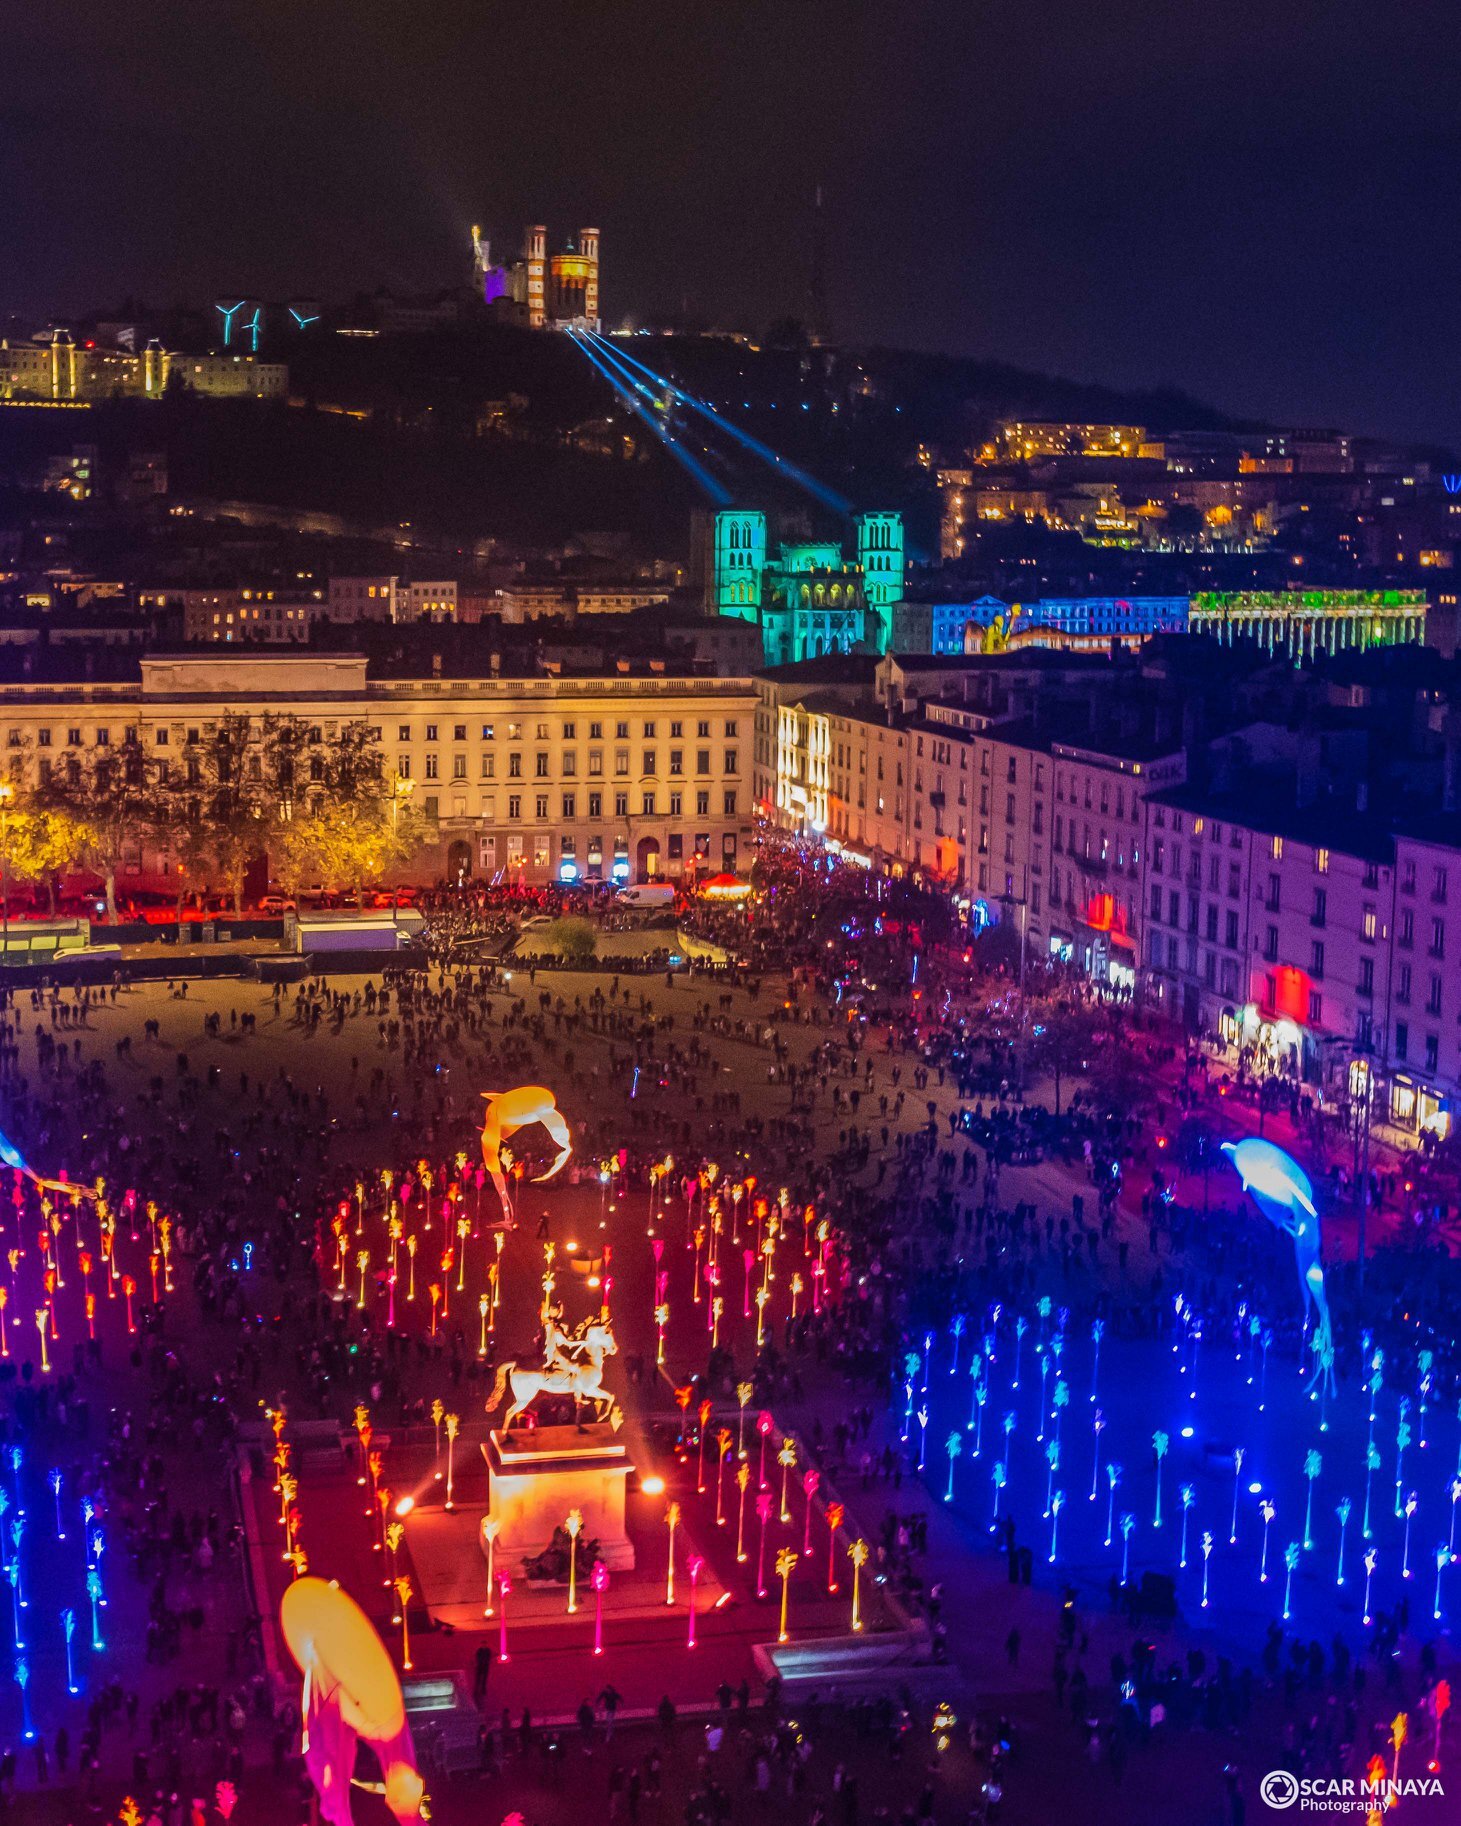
535, 1476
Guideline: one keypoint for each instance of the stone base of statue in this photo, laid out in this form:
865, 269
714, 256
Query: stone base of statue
535, 1475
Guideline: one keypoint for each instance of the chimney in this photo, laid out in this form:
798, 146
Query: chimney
494, 663
436, 665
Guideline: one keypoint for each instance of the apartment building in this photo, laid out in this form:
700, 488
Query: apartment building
427, 601
827, 761
1270, 924
58, 368
606, 778
1285, 884
1423, 1034
1320, 940
391, 599
1058, 841
362, 598
248, 616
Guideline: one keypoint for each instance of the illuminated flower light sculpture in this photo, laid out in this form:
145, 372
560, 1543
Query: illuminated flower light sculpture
1281, 1190
350, 1690
11, 1157
509, 1111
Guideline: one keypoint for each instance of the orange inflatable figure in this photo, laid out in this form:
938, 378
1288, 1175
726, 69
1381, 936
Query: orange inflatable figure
351, 1690
509, 1111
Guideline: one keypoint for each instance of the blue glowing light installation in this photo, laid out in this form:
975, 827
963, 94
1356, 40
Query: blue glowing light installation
1282, 1191
228, 312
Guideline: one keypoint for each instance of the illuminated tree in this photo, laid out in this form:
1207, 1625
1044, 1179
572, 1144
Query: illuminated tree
42, 842
1313, 1465
108, 797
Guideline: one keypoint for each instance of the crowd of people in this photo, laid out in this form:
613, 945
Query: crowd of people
847, 1096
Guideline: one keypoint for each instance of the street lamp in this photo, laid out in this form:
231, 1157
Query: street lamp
7, 797
401, 790
1360, 1087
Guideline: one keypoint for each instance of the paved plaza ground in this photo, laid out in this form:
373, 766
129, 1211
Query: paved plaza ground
1143, 1386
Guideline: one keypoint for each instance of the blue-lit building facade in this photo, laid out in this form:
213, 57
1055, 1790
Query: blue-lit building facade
1302, 622
1116, 616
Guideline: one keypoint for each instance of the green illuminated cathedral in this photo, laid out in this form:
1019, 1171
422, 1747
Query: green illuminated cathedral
812, 598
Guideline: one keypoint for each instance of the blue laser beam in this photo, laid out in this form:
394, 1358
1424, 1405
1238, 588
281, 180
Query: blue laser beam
839, 504
691, 465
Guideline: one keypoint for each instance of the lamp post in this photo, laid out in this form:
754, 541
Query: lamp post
401, 790
722, 1453
672, 1521
833, 1515
404, 1593
785, 1561
786, 1458
7, 798
857, 1553
574, 1525
598, 1578
452, 1423
694, 1567
491, 1528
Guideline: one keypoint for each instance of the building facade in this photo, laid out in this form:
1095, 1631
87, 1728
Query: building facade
248, 616
545, 291
59, 369
555, 779
1306, 622
1315, 933
813, 598
362, 598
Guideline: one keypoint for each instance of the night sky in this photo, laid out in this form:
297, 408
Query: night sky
1256, 202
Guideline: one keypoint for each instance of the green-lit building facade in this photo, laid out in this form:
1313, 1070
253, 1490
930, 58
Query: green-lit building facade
812, 597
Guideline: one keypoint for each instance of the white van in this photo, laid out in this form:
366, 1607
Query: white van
647, 894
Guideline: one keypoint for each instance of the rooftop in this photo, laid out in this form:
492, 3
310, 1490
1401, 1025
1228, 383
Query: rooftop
1270, 805
1036, 659
830, 669
252, 671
